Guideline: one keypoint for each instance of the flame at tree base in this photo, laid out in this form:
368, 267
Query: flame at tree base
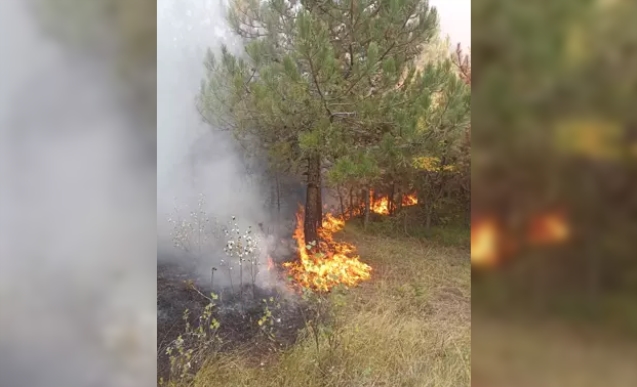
331, 263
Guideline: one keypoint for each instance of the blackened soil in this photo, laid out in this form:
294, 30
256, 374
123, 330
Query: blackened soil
238, 313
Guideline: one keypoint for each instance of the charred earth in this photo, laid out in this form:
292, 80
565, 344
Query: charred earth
261, 319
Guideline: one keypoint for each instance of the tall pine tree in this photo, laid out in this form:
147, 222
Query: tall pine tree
321, 79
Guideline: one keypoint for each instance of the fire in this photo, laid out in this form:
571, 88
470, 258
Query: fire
410, 200
334, 263
381, 205
485, 235
490, 243
548, 228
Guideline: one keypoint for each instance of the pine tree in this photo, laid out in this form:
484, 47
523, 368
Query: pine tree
323, 81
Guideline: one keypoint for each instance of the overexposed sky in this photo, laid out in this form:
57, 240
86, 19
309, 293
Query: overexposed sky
455, 20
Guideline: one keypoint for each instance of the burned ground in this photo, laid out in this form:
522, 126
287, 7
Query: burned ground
409, 325
238, 313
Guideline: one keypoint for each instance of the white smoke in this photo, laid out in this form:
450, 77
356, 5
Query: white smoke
77, 259
199, 168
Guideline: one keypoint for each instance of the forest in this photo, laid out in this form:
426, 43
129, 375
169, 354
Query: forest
347, 96
359, 106
356, 115
553, 199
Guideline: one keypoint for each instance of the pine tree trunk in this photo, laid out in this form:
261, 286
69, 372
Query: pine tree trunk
367, 207
273, 197
392, 199
351, 202
313, 211
278, 203
319, 203
428, 218
340, 199
278, 196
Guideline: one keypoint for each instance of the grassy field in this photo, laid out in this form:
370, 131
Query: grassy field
409, 326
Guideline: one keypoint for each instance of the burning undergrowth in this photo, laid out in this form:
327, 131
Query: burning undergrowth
240, 301
328, 263
247, 299
492, 243
324, 265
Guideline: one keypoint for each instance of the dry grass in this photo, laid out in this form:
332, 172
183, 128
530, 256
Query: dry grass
409, 326
542, 354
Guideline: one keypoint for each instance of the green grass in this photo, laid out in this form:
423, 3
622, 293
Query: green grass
454, 234
409, 326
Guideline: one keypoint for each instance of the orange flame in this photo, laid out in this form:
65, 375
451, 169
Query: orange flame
548, 228
381, 205
410, 200
490, 244
335, 263
485, 238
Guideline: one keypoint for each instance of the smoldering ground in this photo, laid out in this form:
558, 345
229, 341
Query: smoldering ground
77, 216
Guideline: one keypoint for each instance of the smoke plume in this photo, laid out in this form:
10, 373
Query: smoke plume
200, 171
77, 182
